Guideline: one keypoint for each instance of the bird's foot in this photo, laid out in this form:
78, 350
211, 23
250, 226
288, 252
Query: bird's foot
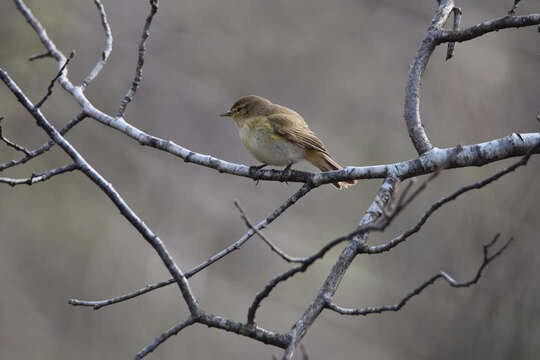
285, 172
254, 168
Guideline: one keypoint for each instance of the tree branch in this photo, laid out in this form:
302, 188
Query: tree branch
51, 84
473, 155
234, 246
164, 336
109, 190
140, 62
442, 275
108, 46
485, 27
437, 205
270, 244
39, 177
10, 143
43, 148
411, 114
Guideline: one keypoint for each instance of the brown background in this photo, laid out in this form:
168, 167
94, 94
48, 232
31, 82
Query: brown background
341, 64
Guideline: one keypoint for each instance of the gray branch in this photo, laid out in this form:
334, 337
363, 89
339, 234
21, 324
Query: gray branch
442, 275
505, 22
109, 190
430, 160
140, 61
233, 247
474, 155
43, 148
39, 177
108, 46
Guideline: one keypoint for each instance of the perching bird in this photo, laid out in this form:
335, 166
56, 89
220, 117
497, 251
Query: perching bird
276, 135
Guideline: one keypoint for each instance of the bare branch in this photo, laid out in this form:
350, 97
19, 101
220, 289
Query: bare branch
51, 84
457, 21
412, 92
40, 56
473, 155
485, 27
108, 46
254, 332
39, 177
270, 244
437, 205
164, 336
140, 62
43, 148
442, 275
109, 190
336, 274
235, 246
11, 143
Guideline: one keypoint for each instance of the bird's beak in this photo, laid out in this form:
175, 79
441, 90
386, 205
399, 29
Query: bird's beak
228, 113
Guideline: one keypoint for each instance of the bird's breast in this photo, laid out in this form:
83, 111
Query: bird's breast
267, 146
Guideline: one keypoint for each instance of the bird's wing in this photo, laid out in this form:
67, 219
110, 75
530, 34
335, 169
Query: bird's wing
295, 130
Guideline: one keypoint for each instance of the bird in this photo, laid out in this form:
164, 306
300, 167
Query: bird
276, 135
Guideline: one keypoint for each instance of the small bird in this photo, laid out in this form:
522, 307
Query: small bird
276, 135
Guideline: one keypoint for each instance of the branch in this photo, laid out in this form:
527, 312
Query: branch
270, 244
386, 214
11, 143
108, 46
457, 21
39, 56
412, 92
51, 84
39, 177
437, 205
164, 336
485, 27
109, 190
474, 155
442, 275
235, 246
43, 148
140, 62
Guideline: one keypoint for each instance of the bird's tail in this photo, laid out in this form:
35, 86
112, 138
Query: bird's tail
325, 163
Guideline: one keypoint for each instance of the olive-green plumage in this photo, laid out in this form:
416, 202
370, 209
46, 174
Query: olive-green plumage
276, 135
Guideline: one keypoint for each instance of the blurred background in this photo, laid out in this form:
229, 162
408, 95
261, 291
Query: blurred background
342, 65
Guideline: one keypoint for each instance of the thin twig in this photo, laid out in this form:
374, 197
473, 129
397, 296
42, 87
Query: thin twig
164, 336
437, 205
40, 56
51, 84
441, 275
11, 143
457, 21
504, 22
110, 191
43, 148
140, 61
370, 224
235, 246
108, 46
270, 244
39, 177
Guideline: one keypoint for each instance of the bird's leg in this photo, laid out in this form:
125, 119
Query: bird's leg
285, 170
288, 167
256, 167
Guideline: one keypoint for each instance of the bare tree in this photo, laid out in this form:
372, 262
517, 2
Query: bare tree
391, 199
